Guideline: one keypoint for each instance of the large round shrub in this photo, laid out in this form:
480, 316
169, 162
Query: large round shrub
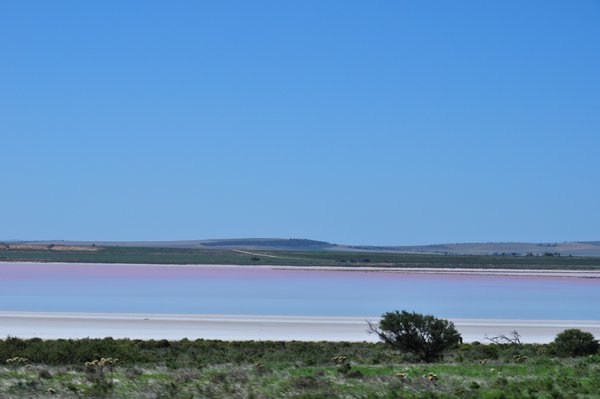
423, 335
574, 342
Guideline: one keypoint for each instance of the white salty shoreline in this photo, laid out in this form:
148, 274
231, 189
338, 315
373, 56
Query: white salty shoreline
378, 269
53, 325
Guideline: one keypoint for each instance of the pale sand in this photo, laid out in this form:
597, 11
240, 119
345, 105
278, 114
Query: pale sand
49, 325
392, 269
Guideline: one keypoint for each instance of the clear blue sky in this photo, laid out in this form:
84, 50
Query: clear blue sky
373, 122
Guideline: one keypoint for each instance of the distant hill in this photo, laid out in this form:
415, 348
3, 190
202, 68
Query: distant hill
586, 248
274, 244
270, 243
583, 248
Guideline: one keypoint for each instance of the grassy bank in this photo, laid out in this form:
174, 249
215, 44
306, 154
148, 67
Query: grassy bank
300, 258
215, 369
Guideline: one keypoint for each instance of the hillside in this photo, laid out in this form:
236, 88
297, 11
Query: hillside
330, 258
574, 248
587, 248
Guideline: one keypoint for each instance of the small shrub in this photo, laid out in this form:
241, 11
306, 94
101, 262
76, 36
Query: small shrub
259, 367
431, 377
44, 374
344, 368
354, 374
17, 361
423, 335
96, 373
133, 373
519, 358
574, 342
306, 382
402, 376
343, 365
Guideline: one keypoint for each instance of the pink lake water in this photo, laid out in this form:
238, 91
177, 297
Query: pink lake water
72, 287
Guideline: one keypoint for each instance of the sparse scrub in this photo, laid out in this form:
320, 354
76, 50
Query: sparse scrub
288, 370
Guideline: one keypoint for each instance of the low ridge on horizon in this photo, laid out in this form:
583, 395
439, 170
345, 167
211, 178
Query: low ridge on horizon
579, 248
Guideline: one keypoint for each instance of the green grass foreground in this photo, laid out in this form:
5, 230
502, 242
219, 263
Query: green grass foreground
217, 369
300, 258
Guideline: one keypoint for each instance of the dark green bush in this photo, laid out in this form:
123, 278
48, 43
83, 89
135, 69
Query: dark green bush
423, 335
574, 342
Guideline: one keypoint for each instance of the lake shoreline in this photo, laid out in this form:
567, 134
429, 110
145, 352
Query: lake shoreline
579, 273
76, 325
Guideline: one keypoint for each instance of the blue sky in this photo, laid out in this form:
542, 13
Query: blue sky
387, 122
